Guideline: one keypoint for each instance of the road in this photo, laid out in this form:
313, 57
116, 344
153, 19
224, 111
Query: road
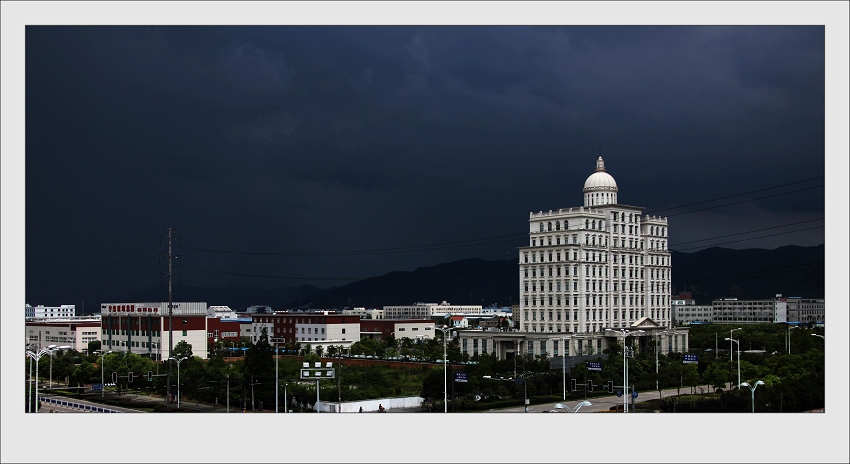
601, 403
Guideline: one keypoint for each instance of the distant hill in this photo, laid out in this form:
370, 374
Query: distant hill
751, 273
708, 274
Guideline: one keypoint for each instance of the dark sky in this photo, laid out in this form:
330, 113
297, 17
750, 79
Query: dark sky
330, 139
425, 144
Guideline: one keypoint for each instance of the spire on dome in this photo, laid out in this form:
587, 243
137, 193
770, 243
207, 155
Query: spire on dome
600, 165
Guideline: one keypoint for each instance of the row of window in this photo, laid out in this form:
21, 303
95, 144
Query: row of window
135, 344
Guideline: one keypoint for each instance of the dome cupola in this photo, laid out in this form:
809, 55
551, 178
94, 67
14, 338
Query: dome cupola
600, 188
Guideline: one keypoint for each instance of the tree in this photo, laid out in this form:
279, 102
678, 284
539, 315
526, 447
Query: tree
93, 346
182, 350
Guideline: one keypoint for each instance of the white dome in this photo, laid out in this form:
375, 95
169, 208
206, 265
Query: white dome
600, 180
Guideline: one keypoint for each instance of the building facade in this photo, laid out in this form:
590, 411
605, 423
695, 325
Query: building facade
778, 309
686, 311
365, 313
50, 312
143, 328
600, 265
588, 274
316, 329
75, 332
429, 310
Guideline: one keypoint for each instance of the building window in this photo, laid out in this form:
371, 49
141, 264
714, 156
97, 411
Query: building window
184, 332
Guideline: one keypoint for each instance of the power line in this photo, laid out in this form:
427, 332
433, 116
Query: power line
751, 274
735, 195
748, 232
71, 276
753, 238
411, 248
745, 201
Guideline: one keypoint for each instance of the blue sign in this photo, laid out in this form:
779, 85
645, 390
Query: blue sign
619, 393
634, 394
97, 386
460, 377
518, 380
689, 358
594, 366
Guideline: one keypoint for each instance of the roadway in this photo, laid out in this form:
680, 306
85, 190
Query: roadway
603, 403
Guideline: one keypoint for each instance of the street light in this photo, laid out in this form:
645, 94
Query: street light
821, 336
445, 330
54, 348
578, 406
730, 343
564, 367
752, 391
738, 344
102, 378
178, 361
276, 378
788, 335
36, 355
656, 357
625, 333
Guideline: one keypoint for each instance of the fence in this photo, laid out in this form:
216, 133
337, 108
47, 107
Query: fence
80, 406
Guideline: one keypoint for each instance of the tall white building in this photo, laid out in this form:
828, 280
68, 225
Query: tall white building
597, 266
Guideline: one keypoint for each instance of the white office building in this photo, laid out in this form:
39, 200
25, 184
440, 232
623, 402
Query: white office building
50, 312
602, 265
429, 310
597, 266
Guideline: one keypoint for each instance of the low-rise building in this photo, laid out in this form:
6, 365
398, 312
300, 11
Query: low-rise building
364, 313
75, 332
428, 310
686, 311
399, 328
506, 345
143, 328
50, 312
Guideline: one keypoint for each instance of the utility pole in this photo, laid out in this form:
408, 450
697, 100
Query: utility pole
170, 317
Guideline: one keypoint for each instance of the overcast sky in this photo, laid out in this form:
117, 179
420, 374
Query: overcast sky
425, 144
326, 139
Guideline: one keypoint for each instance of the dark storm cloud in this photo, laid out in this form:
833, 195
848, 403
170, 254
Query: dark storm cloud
345, 138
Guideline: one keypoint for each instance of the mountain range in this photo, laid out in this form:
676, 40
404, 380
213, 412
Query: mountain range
708, 274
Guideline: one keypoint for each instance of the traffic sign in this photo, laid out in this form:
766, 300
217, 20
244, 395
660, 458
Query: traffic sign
634, 394
690, 358
97, 386
594, 366
460, 377
619, 393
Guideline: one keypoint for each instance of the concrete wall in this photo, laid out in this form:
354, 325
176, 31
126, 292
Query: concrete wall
372, 405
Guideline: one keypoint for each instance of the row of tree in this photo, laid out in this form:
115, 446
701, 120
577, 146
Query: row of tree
793, 381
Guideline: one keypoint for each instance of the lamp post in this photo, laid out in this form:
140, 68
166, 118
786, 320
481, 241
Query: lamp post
625, 333
36, 355
752, 391
656, 357
445, 329
178, 361
738, 344
730, 343
54, 349
578, 406
564, 368
788, 334
821, 336
276, 378
102, 377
